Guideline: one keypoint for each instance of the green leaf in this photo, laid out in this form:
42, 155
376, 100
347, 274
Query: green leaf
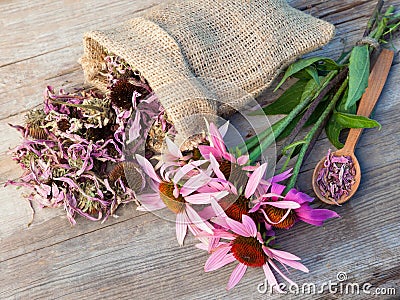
314, 74
343, 55
353, 121
328, 65
308, 89
286, 102
333, 130
358, 74
302, 64
341, 105
303, 75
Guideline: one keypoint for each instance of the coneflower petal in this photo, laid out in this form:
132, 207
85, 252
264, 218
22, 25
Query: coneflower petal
271, 278
277, 189
224, 261
254, 180
195, 219
181, 227
216, 138
205, 198
242, 160
194, 183
281, 219
236, 275
294, 264
217, 208
282, 176
238, 228
182, 172
216, 167
150, 202
283, 254
281, 273
283, 204
299, 197
224, 129
173, 148
147, 167
134, 131
215, 257
206, 150
250, 225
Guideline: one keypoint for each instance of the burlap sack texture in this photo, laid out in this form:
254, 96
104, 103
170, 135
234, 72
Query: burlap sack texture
197, 54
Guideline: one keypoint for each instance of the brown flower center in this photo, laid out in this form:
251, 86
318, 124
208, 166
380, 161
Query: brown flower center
225, 167
196, 154
63, 125
235, 206
37, 132
135, 179
233, 172
248, 251
122, 92
166, 189
276, 214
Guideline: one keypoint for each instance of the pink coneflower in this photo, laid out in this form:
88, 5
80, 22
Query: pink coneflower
285, 218
172, 158
167, 193
236, 203
248, 248
227, 165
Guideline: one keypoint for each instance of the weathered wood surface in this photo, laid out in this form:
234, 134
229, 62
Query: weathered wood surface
136, 255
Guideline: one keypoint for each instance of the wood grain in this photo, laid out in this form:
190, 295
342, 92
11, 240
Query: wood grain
136, 255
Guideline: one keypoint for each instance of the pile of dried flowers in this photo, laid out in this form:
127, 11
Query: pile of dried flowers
74, 149
336, 177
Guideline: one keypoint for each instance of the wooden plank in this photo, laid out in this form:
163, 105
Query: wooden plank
56, 24
136, 254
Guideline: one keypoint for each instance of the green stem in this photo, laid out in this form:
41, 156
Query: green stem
286, 163
378, 32
310, 135
255, 154
255, 140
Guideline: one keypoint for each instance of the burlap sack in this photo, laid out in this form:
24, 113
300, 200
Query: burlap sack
197, 54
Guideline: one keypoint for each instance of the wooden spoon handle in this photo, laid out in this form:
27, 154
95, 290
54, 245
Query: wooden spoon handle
376, 81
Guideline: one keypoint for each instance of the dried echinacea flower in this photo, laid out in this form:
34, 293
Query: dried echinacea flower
130, 175
336, 178
63, 125
34, 121
86, 204
121, 94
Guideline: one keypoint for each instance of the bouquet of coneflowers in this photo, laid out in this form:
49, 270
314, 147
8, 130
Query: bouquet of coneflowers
229, 205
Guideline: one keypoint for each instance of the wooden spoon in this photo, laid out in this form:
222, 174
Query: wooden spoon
376, 81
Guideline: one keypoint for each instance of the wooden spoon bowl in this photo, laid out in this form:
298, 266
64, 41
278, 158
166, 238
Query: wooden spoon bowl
354, 187
376, 81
